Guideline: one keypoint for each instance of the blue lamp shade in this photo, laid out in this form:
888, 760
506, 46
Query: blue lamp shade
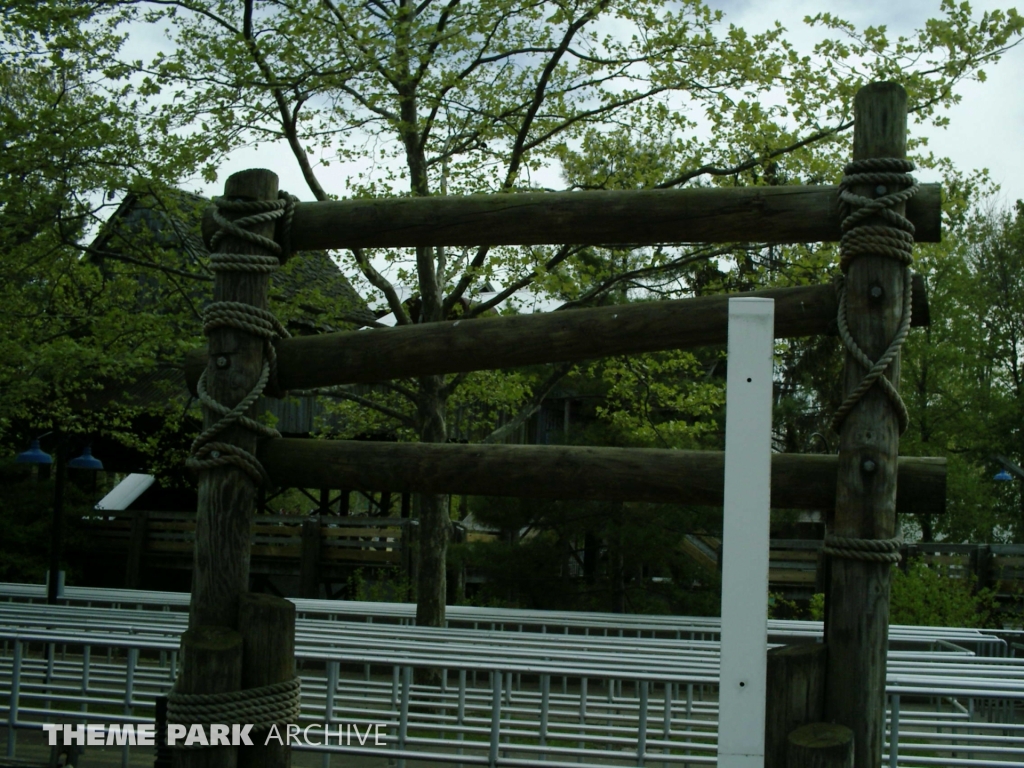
34, 455
86, 460
1003, 476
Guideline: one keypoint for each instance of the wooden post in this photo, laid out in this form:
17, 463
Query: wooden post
796, 696
820, 745
136, 550
858, 597
211, 662
226, 494
309, 567
267, 627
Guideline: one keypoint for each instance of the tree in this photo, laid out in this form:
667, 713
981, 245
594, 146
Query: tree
69, 327
965, 375
472, 97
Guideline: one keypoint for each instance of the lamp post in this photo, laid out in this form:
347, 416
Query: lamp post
35, 455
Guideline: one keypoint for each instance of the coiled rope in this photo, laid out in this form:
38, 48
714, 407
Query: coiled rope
261, 707
893, 239
207, 452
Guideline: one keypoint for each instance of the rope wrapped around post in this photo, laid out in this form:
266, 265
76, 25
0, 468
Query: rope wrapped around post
261, 707
873, 550
893, 239
207, 452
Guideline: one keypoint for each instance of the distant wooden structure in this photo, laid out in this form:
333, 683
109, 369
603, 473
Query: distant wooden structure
316, 549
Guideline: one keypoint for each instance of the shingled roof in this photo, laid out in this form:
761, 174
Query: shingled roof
308, 293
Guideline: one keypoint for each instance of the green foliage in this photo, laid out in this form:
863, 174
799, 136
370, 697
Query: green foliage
436, 97
781, 608
924, 596
660, 399
26, 517
962, 375
381, 585
816, 608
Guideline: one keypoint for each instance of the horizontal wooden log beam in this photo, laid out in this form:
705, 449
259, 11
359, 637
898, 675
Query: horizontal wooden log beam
573, 472
362, 357
794, 214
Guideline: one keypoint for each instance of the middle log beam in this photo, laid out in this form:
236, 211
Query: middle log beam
364, 357
799, 481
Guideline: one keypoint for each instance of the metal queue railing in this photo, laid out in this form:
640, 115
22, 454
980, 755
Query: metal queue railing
505, 697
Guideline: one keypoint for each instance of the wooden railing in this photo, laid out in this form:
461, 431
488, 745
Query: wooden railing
313, 547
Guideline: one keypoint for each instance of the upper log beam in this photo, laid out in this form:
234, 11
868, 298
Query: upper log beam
796, 214
363, 357
572, 472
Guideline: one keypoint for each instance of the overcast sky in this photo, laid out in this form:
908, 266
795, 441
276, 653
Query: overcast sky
986, 129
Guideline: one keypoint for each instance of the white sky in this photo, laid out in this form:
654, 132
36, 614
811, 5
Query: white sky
985, 128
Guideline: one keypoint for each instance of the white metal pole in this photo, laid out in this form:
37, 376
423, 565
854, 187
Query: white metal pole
748, 425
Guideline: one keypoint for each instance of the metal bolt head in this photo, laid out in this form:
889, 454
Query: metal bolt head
868, 465
222, 362
881, 189
876, 291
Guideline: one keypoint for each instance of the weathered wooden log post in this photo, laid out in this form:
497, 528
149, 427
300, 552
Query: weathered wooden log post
227, 487
820, 745
876, 247
241, 363
267, 626
796, 696
211, 662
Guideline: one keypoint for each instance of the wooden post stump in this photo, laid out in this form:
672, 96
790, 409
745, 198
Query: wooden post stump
211, 662
857, 621
820, 745
267, 627
796, 695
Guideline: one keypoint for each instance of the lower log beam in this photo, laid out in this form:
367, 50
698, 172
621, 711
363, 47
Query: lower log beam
572, 472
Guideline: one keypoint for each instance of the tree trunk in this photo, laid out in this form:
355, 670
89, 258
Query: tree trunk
435, 526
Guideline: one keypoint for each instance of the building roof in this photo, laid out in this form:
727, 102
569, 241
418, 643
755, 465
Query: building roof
126, 492
309, 294
317, 295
